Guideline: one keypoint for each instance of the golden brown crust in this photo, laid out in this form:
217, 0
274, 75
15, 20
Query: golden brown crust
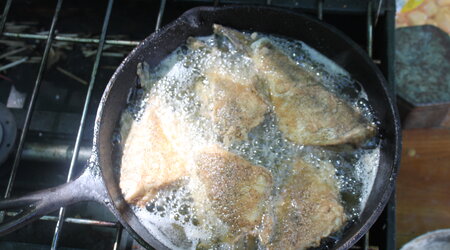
308, 209
235, 189
150, 160
233, 108
308, 113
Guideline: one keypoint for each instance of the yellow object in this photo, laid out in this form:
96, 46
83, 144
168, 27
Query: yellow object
411, 4
421, 12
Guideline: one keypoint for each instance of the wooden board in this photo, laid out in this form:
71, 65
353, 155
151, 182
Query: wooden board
423, 186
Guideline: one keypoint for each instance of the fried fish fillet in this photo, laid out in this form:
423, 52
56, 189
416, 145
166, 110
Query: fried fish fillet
307, 112
233, 108
308, 209
232, 187
229, 99
151, 157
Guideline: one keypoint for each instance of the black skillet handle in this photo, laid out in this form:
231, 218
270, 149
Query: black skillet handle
87, 187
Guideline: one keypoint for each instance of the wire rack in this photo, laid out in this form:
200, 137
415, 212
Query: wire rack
372, 8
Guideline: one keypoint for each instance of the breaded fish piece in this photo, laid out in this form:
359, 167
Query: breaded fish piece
232, 187
308, 113
233, 108
151, 157
229, 99
308, 209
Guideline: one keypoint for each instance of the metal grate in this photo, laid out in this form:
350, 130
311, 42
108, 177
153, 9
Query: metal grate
372, 8
49, 40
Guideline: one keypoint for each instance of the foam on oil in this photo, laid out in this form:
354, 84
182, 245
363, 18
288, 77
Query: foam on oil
171, 217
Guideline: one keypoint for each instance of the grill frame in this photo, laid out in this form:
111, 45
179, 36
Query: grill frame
373, 10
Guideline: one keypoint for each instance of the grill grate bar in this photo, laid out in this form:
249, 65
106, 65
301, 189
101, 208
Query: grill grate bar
63, 38
76, 149
160, 14
74, 220
369, 29
320, 9
369, 52
380, 3
13, 64
32, 100
366, 241
118, 237
4, 15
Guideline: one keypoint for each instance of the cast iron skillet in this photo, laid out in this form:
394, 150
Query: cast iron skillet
98, 181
